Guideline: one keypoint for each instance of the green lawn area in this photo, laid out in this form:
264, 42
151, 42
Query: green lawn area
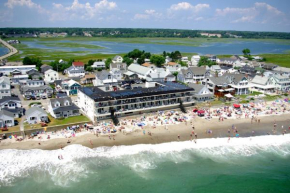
279, 59
53, 122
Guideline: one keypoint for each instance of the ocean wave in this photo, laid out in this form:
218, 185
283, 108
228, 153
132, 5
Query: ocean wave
79, 161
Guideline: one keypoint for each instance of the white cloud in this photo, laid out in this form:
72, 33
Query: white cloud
5, 16
258, 13
188, 6
83, 11
186, 11
27, 3
148, 14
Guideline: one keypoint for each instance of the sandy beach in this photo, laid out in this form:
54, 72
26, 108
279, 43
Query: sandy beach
161, 135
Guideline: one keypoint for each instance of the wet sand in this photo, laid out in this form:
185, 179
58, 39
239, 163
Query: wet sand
161, 135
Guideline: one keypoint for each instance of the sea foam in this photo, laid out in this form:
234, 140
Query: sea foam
75, 164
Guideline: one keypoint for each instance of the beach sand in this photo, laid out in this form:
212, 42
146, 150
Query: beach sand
161, 135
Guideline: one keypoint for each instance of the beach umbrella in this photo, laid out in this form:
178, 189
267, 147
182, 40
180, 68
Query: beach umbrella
236, 105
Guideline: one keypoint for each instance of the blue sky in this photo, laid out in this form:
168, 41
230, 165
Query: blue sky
246, 15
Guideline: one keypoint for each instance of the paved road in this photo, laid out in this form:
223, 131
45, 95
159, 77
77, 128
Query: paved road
11, 49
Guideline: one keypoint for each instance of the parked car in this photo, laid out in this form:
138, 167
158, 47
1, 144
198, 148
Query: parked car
38, 97
33, 97
16, 122
49, 95
28, 97
43, 96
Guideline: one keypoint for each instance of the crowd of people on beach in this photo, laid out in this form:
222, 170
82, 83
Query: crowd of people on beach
149, 121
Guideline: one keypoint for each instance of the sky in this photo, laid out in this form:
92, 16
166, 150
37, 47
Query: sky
243, 15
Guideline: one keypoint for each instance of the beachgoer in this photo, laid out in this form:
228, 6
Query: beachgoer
178, 137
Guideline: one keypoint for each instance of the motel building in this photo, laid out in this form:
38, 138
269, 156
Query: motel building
109, 101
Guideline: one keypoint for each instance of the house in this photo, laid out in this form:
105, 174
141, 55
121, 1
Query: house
19, 79
8, 70
36, 90
88, 79
239, 82
172, 67
195, 60
263, 84
45, 68
6, 119
61, 95
201, 92
219, 86
269, 66
282, 82
36, 115
99, 65
10, 103
5, 87
139, 70
117, 59
191, 74
160, 74
211, 57
50, 76
62, 108
70, 86
149, 65
167, 59
216, 69
76, 70
118, 66
34, 83
281, 71
184, 59
104, 77
251, 71
34, 74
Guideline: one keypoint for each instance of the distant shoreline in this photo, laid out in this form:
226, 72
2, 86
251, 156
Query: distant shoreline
11, 49
160, 135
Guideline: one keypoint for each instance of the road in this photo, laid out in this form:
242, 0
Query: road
11, 49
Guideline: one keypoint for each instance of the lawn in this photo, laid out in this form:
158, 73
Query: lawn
12, 129
54, 122
279, 59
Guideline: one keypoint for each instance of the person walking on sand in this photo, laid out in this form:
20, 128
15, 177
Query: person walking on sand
91, 142
178, 137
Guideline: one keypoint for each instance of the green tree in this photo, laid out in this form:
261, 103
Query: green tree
157, 60
175, 74
108, 62
247, 52
204, 61
182, 63
127, 60
89, 69
26, 61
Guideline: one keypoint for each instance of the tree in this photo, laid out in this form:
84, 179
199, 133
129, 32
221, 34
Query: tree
91, 62
141, 60
175, 74
157, 60
204, 61
26, 61
89, 69
247, 52
32, 61
127, 60
108, 62
182, 63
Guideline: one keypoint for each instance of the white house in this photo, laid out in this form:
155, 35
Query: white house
141, 71
35, 115
201, 92
117, 59
191, 74
194, 60
159, 74
6, 119
5, 87
184, 59
50, 76
76, 70
62, 107
262, 84
173, 67
239, 82
104, 77
97, 65
282, 82
7, 70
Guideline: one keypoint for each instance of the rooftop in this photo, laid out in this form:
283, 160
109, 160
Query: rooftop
97, 94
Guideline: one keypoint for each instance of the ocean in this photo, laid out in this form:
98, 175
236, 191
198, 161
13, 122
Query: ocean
256, 164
